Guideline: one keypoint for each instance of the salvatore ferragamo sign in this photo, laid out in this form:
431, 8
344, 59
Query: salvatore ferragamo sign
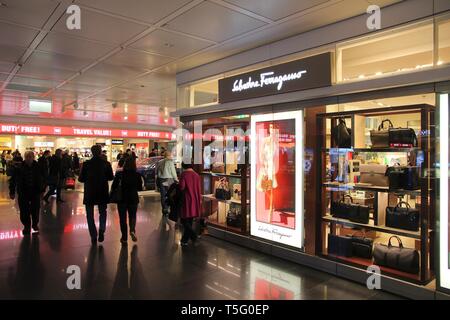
308, 73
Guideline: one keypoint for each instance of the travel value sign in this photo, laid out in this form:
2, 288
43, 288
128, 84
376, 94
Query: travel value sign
308, 73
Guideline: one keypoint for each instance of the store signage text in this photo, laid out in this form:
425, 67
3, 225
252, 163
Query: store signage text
265, 79
83, 132
307, 73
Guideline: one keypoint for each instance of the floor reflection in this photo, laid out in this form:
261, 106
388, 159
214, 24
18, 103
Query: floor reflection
155, 267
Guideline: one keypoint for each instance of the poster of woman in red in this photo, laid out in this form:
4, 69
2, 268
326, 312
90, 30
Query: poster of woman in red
277, 155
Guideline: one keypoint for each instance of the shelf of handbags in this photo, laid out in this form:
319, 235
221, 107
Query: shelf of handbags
375, 195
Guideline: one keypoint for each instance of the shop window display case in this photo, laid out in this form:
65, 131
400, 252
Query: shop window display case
377, 195
225, 176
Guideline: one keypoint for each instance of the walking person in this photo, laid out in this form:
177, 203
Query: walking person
76, 163
191, 206
95, 175
166, 175
55, 177
28, 182
44, 166
127, 183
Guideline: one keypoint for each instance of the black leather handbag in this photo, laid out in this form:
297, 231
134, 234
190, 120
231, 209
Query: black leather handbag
342, 136
339, 245
234, 218
380, 137
406, 178
222, 191
341, 209
405, 218
359, 213
362, 247
400, 258
402, 137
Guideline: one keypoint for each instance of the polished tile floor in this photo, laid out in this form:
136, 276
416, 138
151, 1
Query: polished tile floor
154, 268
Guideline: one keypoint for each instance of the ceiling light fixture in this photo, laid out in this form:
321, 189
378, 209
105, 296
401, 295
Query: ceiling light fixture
85, 113
169, 45
75, 105
125, 118
114, 105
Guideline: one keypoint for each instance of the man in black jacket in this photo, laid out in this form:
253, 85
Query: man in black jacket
55, 176
95, 175
28, 181
44, 165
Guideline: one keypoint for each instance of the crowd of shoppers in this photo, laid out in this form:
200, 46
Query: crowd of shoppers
29, 179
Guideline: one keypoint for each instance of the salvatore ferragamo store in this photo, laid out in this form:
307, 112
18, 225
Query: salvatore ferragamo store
335, 157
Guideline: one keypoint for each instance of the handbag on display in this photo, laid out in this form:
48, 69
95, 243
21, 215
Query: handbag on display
339, 245
234, 218
402, 137
403, 178
218, 167
380, 137
374, 174
400, 258
362, 247
405, 218
359, 214
342, 135
341, 209
222, 190
237, 191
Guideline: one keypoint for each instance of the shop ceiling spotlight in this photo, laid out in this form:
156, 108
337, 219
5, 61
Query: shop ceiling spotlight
75, 105
114, 105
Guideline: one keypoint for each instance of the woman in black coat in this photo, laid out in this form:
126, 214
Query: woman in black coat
130, 183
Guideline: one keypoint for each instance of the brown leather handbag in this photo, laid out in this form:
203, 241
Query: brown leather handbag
374, 174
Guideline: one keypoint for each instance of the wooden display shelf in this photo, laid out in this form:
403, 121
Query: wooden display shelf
365, 263
378, 150
351, 186
235, 176
223, 226
398, 232
211, 197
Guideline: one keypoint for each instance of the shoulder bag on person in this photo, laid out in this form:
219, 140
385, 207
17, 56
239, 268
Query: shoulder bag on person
403, 217
116, 194
342, 135
400, 258
380, 137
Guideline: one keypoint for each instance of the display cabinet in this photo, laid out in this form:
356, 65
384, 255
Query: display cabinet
368, 192
226, 167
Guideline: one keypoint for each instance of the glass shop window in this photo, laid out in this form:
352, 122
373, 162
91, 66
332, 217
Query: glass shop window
402, 50
444, 42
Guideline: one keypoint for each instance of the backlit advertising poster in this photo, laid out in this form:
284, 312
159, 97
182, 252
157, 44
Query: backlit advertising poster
277, 177
444, 189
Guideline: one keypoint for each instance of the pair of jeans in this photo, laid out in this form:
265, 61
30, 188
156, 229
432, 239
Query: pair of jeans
91, 220
163, 191
188, 232
29, 205
123, 208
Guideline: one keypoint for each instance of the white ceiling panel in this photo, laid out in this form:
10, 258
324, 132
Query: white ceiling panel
28, 12
104, 75
44, 72
64, 44
276, 9
156, 81
13, 35
214, 22
34, 82
11, 54
149, 11
99, 27
170, 44
138, 59
58, 61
